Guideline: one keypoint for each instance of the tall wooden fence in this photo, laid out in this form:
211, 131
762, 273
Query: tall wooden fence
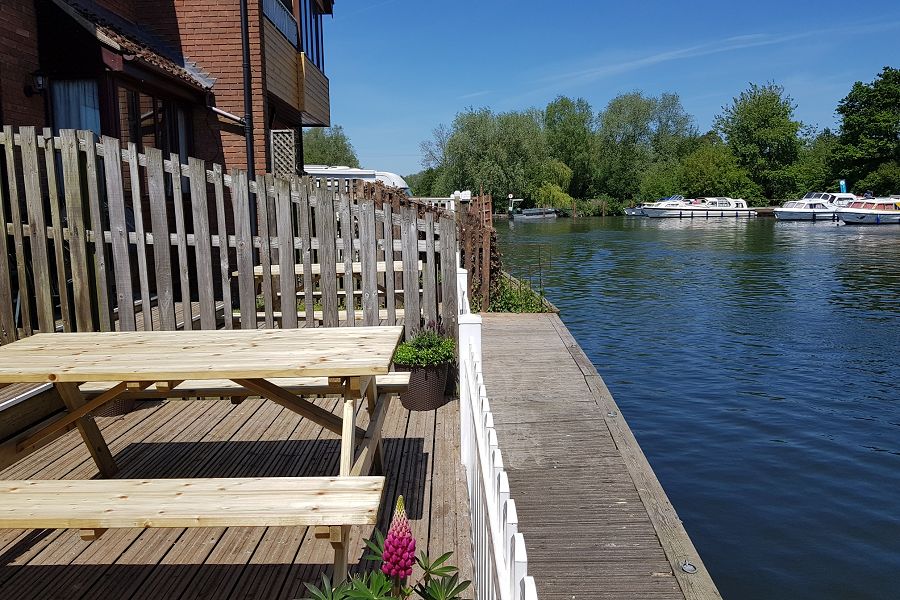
97, 236
479, 249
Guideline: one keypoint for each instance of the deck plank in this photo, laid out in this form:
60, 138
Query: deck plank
584, 493
214, 438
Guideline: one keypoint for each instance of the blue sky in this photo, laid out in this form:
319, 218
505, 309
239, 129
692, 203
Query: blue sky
398, 68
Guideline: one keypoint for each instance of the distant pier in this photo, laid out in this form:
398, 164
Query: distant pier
596, 520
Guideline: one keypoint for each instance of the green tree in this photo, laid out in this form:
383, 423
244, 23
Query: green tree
813, 170
328, 146
635, 132
570, 139
501, 153
624, 137
882, 181
712, 170
422, 183
868, 149
661, 179
761, 132
672, 128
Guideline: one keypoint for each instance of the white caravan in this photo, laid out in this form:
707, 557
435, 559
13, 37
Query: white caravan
333, 173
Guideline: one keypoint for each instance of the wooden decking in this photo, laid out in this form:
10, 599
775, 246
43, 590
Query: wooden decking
597, 523
214, 438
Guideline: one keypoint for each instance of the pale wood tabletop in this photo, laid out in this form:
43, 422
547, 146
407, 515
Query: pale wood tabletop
180, 355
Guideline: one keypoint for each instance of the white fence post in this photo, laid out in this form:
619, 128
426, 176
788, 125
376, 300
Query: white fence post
519, 565
529, 592
500, 570
469, 353
462, 289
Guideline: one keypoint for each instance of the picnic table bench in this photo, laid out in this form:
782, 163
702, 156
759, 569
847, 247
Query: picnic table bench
270, 363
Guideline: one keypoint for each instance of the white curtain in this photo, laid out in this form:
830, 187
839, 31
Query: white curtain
76, 104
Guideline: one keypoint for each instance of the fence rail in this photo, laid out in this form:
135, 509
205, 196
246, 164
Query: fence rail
99, 236
500, 561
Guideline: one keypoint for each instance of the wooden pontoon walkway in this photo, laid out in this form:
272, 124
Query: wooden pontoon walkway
596, 521
214, 438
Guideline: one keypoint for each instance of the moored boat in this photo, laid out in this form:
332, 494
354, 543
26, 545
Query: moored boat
814, 206
720, 206
535, 214
638, 211
871, 211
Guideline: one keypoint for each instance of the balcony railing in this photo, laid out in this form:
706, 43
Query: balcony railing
283, 19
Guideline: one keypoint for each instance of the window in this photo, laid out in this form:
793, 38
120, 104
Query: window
151, 121
76, 104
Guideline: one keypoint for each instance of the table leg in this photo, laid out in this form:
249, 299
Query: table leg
90, 433
340, 535
371, 401
348, 425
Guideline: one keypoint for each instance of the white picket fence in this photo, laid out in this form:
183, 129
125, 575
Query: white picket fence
500, 563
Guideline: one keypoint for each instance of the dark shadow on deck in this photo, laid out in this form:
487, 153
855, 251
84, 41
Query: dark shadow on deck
272, 458
163, 582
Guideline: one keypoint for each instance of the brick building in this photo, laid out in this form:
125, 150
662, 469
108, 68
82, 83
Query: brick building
166, 73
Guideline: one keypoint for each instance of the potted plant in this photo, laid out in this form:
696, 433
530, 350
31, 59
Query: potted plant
427, 356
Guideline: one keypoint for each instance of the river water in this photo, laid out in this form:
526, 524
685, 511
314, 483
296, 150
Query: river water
758, 364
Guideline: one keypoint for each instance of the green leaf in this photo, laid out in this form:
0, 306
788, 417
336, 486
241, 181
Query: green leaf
442, 588
371, 586
328, 592
376, 545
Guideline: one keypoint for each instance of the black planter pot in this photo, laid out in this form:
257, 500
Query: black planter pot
426, 387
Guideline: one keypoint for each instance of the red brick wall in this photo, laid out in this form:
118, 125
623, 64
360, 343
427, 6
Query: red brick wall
18, 60
209, 33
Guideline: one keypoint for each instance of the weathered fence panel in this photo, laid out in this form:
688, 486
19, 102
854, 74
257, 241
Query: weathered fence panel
105, 236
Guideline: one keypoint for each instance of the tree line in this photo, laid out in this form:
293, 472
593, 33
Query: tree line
641, 148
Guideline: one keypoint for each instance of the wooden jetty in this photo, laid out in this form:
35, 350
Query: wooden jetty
596, 521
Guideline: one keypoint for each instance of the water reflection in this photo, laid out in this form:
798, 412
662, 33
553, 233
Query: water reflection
755, 361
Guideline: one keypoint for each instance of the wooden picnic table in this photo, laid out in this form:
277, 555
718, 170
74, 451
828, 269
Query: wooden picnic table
137, 360
350, 358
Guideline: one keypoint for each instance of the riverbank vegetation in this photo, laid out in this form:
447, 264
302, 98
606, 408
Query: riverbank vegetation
640, 148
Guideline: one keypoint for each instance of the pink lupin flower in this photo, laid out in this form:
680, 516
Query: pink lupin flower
399, 545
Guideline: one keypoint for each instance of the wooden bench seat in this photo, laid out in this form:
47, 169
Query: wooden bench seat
210, 502
390, 383
96, 505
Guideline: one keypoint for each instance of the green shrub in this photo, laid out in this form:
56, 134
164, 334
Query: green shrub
518, 297
428, 348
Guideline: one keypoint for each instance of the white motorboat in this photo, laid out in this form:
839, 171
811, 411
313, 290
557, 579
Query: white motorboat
720, 206
814, 206
842, 198
871, 211
668, 201
535, 214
